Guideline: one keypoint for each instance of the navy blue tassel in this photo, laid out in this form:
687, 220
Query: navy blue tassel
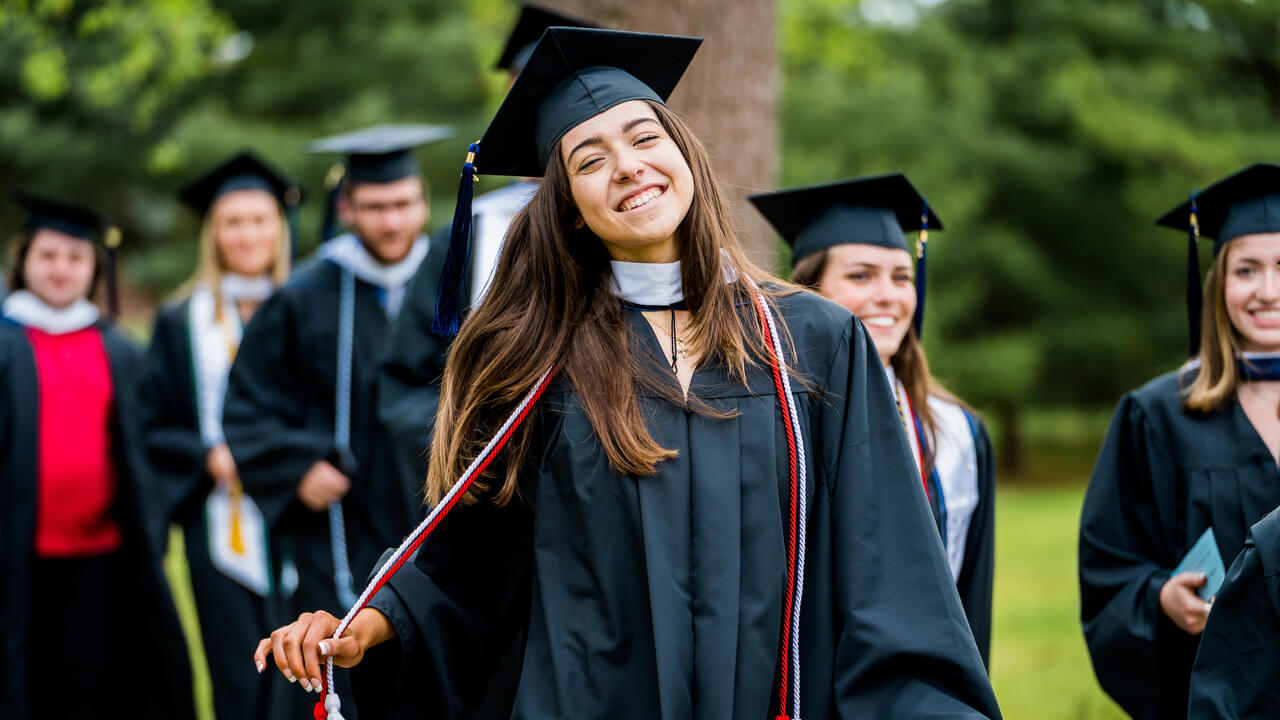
1194, 294
449, 291
922, 245
333, 183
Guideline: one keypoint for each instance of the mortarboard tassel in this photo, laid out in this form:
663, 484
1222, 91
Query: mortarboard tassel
449, 293
922, 245
1194, 293
332, 183
292, 199
111, 241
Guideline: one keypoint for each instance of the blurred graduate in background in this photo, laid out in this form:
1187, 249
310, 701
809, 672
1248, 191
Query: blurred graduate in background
299, 415
244, 254
1190, 459
848, 243
90, 627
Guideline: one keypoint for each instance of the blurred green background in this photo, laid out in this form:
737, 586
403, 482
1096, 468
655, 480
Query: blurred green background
1048, 134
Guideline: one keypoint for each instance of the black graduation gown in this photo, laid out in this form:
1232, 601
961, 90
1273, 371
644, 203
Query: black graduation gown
149, 665
232, 618
278, 419
1237, 671
1163, 476
413, 362
661, 597
977, 572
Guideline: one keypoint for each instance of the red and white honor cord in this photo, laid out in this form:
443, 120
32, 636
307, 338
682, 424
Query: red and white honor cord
329, 706
789, 662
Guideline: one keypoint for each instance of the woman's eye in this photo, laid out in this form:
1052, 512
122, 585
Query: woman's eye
1244, 271
857, 277
589, 164
646, 138
902, 278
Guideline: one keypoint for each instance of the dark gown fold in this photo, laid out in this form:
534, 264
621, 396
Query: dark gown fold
1163, 476
661, 597
1237, 671
148, 660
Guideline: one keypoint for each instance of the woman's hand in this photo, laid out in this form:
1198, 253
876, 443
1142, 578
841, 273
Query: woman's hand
301, 647
220, 465
1178, 600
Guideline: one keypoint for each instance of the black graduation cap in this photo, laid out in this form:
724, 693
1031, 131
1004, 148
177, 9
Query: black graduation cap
572, 75
533, 21
383, 153
874, 210
242, 171
80, 221
1242, 203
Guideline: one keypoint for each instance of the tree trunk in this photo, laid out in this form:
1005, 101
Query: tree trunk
729, 95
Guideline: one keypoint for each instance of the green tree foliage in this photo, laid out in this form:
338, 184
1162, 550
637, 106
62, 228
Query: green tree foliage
1048, 135
121, 102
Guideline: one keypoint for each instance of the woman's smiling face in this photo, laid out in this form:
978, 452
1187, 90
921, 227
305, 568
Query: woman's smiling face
630, 182
878, 285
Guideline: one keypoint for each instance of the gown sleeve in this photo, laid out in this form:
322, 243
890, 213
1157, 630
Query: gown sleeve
264, 416
455, 607
978, 570
170, 433
1123, 538
903, 647
1237, 670
413, 364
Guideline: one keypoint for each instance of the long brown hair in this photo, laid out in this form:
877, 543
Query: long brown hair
909, 362
1217, 378
551, 303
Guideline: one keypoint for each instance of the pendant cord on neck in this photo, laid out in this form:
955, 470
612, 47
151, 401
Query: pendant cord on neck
674, 368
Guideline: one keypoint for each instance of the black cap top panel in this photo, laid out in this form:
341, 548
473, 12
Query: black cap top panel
874, 210
573, 75
1244, 203
80, 221
242, 171
381, 154
533, 21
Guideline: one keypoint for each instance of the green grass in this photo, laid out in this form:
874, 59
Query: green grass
1039, 665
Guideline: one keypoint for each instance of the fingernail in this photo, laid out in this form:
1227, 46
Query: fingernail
261, 666
324, 647
315, 683
288, 674
305, 685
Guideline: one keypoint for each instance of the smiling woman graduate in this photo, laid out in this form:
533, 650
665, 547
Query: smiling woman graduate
1192, 450
848, 243
679, 534
90, 629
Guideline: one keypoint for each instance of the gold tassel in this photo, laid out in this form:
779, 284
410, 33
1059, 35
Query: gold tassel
237, 539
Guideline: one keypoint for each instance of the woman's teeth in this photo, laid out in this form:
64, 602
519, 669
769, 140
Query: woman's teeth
643, 198
1267, 314
881, 321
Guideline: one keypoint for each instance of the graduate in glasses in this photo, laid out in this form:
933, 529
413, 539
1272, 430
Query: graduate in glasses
1190, 459
710, 510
